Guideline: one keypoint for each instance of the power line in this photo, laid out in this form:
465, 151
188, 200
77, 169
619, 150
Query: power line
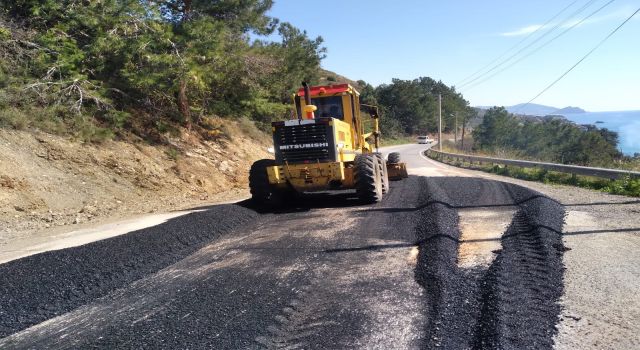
582, 59
553, 29
540, 47
516, 45
563, 22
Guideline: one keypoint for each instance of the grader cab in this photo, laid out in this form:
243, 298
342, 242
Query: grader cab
327, 147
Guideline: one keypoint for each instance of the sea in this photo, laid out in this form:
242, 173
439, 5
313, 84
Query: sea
626, 123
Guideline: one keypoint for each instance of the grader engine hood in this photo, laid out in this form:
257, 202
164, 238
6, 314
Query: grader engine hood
304, 141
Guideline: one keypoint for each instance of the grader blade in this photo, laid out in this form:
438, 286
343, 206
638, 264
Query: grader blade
397, 171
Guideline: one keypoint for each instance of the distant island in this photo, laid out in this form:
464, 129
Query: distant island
535, 109
570, 110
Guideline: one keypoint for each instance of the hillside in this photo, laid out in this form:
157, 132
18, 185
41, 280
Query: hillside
114, 108
542, 110
328, 77
48, 181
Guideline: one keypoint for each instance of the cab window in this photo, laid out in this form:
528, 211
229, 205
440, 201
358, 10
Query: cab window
330, 106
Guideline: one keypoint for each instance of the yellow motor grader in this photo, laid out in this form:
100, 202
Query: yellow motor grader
325, 148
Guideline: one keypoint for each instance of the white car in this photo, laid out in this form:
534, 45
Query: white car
423, 139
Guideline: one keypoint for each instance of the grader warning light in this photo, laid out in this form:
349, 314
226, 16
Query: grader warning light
326, 148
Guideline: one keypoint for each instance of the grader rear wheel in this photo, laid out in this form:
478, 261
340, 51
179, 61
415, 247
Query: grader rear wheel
368, 178
261, 191
384, 173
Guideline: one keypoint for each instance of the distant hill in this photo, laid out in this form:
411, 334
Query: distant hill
534, 109
328, 77
570, 110
531, 109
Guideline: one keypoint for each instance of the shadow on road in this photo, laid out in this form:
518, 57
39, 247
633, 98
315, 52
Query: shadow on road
377, 247
308, 201
601, 203
451, 206
614, 230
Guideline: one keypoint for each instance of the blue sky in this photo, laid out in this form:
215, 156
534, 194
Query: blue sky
378, 40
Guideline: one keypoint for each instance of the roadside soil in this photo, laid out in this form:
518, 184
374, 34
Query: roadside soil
49, 183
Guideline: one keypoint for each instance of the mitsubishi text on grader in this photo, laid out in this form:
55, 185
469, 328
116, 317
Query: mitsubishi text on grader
325, 148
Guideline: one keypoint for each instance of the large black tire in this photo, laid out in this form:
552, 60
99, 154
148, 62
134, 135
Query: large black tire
384, 173
262, 192
368, 178
393, 158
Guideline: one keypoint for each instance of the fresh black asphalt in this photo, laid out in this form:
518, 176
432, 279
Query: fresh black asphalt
42, 286
192, 295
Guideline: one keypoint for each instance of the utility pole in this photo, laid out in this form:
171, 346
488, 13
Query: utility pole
455, 131
440, 122
464, 124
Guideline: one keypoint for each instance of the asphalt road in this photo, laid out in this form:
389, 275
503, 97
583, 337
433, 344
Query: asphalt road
445, 260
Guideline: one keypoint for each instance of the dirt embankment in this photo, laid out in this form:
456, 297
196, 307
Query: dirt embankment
48, 181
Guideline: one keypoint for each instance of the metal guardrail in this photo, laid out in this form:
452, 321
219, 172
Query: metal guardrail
570, 169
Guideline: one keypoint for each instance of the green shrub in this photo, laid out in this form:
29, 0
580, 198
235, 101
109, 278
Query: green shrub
250, 128
626, 186
116, 119
14, 118
396, 140
172, 153
5, 34
4, 78
85, 129
263, 112
56, 120
162, 126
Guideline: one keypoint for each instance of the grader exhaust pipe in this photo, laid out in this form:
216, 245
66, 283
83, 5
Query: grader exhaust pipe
308, 107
